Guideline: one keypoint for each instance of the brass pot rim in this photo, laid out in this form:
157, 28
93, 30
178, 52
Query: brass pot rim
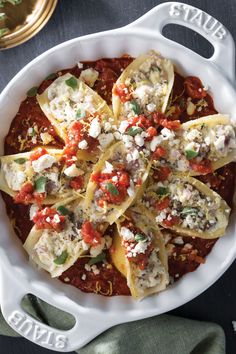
26, 32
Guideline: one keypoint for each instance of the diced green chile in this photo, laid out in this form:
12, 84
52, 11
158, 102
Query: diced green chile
62, 258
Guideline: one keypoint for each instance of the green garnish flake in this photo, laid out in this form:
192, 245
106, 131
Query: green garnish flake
63, 210
32, 92
112, 189
40, 184
161, 191
20, 160
134, 131
72, 82
51, 76
190, 154
189, 211
203, 125
80, 113
140, 238
100, 258
135, 107
62, 258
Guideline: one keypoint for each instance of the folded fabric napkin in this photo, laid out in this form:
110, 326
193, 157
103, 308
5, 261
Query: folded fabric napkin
163, 334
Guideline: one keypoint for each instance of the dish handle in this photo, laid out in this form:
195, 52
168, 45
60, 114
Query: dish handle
199, 21
88, 322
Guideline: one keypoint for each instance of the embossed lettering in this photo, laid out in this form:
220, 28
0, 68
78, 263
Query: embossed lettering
220, 32
16, 318
61, 342
202, 20
210, 23
50, 339
197, 18
26, 327
38, 333
174, 10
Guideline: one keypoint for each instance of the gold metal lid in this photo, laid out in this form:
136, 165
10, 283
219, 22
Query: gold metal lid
24, 20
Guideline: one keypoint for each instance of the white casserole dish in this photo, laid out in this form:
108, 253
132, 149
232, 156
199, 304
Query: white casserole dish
94, 313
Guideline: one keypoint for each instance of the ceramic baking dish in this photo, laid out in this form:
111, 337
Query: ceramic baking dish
94, 313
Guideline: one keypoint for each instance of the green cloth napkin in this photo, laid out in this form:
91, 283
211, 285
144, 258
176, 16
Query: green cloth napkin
163, 334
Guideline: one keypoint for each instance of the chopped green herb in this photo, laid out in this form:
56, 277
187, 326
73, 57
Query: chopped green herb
51, 76
135, 107
100, 258
112, 189
40, 184
32, 92
190, 154
62, 258
63, 210
161, 191
80, 113
20, 161
140, 238
134, 131
203, 125
189, 211
72, 82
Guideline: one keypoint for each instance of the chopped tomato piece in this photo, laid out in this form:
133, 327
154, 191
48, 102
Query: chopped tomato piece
140, 121
49, 218
194, 87
163, 204
90, 235
151, 132
122, 91
175, 220
124, 179
162, 173
203, 167
27, 195
161, 119
35, 155
77, 182
159, 152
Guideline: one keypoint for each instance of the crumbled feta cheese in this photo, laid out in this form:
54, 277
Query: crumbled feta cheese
167, 134
73, 171
105, 140
131, 191
83, 145
46, 138
95, 128
85, 246
139, 140
190, 108
220, 143
178, 240
80, 65
56, 219
89, 76
43, 162
95, 269
123, 126
151, 107
33, 211
140, 247
83, 277
156, 140
108, 167
126, 234
87, 267
96, 250
107, 126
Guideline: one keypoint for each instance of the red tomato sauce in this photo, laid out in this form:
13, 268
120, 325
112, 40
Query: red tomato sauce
109, 281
